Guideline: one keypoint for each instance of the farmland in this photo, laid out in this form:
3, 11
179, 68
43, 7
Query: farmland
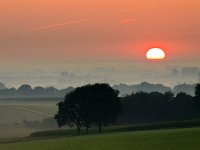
175, 139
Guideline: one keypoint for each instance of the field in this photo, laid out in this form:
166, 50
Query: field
14, 110
172, 139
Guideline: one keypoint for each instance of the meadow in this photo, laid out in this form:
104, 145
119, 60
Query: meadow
14, 110
176, 139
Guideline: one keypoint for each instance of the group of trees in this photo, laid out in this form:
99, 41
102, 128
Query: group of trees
87, 105
26, 90
144, 107
149, 87
99, 104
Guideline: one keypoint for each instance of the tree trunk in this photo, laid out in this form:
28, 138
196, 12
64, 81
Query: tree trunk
78, 130
100, 127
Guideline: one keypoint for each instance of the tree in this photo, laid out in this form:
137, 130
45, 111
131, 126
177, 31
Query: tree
183, 106
106, 105
69, 112
97, 103
85, 99
197, 95
25, 90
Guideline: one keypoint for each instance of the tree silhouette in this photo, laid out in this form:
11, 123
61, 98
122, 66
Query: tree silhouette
106, 104
69, 112
97, 103
25, 90
197, 95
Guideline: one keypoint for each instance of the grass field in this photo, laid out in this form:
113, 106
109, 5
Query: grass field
172, 139
122, 128
15, 110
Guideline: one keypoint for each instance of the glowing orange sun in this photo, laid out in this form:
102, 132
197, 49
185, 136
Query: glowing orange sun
155, 54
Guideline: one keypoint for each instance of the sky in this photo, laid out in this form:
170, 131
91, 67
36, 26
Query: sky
96, 41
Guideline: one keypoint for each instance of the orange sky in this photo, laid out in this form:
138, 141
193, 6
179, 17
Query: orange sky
58, 30
97, 41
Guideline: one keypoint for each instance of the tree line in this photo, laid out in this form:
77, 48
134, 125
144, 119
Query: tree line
26, 90
100, 104
142, 107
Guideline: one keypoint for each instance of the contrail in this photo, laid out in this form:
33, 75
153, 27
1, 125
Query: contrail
56, 25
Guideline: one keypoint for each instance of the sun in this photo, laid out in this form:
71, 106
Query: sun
155, 54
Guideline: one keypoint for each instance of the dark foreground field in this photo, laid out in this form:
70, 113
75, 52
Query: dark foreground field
171, 139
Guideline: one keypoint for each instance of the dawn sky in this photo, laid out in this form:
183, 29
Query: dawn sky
79, 36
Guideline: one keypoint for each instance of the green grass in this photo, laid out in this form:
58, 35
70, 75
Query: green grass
112, 129
172, 139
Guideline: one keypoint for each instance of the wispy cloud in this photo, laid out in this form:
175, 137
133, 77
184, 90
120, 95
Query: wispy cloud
131, 19
128, 20
56, 25
138, 8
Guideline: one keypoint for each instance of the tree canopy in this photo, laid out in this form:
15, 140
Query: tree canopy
97, 103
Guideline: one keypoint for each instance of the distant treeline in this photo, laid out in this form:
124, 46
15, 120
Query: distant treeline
27, 91
124, 89
144, 107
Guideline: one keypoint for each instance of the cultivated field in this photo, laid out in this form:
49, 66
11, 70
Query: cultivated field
172, 139
14, 110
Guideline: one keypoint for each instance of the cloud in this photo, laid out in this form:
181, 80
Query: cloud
57, 25
138, 8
